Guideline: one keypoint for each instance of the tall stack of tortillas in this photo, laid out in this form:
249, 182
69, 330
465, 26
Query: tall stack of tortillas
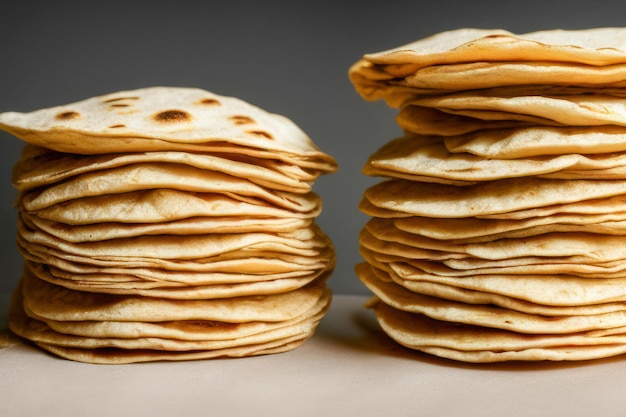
167, 224
499, 230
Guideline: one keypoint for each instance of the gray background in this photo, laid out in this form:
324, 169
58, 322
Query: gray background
286, 57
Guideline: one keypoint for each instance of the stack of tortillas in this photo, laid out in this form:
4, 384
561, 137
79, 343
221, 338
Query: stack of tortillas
167, 224
499, 231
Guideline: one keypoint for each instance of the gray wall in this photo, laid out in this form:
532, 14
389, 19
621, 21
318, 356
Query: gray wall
287, 57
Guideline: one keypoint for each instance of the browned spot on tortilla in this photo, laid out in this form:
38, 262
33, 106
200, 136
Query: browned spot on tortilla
172, 116
68, 115
116, 126
261, 133
210, 102
241, 120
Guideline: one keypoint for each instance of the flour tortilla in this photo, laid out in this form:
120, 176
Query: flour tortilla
555, 290
450, 292
426, 158
510, 113
564, 353
587, 247
571, 110
519, 266
39, 332
195, 225
483, 75
404, 252
302, 331
493, 197
188, 330
166, 205
257, 260
114, 356
218, 270
44, 300
516, 268
431, 121
124, 285
40, 166
595, 206
304, 242
170, 279
88, 335
137, 177
537, 141
181, 330
472, 229
598, 46
372, 74
485, 345
563, 288
20, 323
370, 209
161, 118
486, 315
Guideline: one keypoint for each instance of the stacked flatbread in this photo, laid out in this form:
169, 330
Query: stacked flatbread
499, 230
167, 224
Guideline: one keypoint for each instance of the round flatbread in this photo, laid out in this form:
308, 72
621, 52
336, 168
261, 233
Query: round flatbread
166, 205
538, 141
484, 345
488, 198
45, 300
196, 225
40, 166
427, 159
164, 118
380, 75
489, 316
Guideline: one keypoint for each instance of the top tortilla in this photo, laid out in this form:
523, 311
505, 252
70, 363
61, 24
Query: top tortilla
162, 118
599, 46
374, 75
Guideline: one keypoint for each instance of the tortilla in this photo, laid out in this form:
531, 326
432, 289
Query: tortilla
190, 226
489, 316
166, 205
126, 285
161, 118
40, 166
522, 266
137, 177
484, 75
116, 356
302, 242
427, 159
258, 260
44, 299
484, 345
374, 76
570, 110
555, 290
538, 141
489, 198
431, 121
586, 247
472, 229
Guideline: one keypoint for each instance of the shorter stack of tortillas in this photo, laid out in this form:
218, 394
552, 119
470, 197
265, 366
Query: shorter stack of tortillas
500, 231
167, 224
